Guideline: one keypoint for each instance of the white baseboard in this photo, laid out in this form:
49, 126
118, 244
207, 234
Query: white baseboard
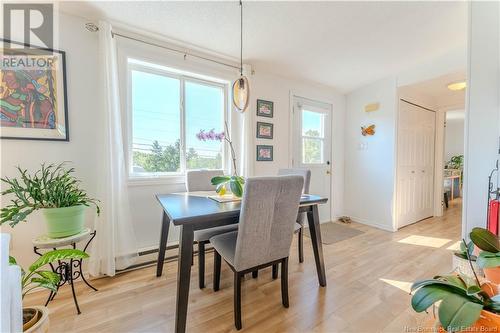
372, 223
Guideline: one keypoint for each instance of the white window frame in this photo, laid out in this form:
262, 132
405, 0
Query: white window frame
183, 77
322, 137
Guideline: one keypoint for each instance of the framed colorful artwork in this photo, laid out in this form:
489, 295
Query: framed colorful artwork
264, 153
265, 108
33, 99
264, 130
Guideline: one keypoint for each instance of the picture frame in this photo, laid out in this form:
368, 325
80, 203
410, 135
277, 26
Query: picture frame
265, 130
265, 108
264, 153
33, 86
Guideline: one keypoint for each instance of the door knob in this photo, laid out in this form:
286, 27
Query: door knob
328, 172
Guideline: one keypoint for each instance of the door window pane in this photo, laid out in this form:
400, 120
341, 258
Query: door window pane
312, 124
312, 137
156, 123
312, 151
204, 111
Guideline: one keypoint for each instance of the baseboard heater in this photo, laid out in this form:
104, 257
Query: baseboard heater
153, 262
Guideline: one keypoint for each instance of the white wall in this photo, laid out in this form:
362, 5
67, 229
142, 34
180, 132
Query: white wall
454, 137
277, 89
369, 161
84, 149
482, 115
85, 131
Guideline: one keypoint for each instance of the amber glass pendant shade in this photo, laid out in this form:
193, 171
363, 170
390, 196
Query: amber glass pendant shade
241, 94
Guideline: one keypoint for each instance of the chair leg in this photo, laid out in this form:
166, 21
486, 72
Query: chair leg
237, 300
255, 274
284, 282
275, 271
217, 264
301, 245
201, 264
192, 256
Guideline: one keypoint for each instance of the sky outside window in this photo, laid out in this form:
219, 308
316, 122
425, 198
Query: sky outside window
156, 128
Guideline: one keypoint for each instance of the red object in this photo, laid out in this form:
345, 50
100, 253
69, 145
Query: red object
493, 216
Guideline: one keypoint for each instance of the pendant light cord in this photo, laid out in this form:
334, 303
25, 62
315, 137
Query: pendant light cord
241, 37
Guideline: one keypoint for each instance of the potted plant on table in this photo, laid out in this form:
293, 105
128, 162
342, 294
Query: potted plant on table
489, 257
52, 189
464, 303
234, 182
36, 319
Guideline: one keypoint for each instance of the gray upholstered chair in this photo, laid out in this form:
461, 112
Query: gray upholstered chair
265, 231
301, 218
200, 180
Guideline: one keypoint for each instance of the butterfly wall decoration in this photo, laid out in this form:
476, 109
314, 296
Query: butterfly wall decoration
368, 130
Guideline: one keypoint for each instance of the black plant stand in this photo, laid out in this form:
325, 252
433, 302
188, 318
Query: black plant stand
71, 270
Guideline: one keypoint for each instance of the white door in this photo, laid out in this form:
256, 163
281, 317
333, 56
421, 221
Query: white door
312, 126
415, 163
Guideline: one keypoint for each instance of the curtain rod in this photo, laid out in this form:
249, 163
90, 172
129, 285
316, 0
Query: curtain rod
113, 34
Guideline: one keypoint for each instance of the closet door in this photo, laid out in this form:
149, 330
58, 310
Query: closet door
415, 164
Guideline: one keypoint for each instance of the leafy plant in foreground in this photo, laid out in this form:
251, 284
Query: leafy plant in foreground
36, 277
461, 299
490, 246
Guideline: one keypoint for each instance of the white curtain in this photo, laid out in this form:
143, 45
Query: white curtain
115, 246
243, 131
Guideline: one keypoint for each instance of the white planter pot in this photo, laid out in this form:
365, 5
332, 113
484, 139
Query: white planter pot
42, 325
462, 266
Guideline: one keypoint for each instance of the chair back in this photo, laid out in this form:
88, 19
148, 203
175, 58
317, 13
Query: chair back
268, 213
200, 180
305, 173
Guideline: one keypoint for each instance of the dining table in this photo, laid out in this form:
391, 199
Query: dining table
192, 211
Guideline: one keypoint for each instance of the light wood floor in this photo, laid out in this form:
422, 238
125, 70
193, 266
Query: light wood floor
368, 280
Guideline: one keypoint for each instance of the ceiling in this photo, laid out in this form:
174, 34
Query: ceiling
437, 90
343, 45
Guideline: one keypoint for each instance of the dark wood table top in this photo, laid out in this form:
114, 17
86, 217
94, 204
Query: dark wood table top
187, 208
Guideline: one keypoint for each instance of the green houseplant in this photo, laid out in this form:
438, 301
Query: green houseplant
456, 162
463, 301
489, 257
52, 189
36, 318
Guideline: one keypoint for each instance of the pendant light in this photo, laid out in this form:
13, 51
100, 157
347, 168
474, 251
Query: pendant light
241, 89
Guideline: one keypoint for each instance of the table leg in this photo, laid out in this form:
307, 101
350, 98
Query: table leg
165, 224
183, 277
315, 231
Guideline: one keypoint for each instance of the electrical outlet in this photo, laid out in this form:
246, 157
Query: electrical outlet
363, 146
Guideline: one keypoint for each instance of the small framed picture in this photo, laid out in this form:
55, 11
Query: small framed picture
265, 108
264, 130
264, 153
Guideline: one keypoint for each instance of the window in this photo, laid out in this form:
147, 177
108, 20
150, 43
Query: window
167, 111
313, 136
